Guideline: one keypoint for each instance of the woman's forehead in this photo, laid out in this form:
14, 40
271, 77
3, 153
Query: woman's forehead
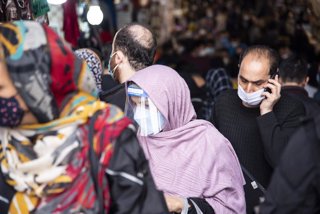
138, 100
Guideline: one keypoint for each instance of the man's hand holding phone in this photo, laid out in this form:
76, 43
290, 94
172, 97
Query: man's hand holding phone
271, 96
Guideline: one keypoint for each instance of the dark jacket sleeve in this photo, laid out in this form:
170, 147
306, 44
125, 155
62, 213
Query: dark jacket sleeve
131, 185
275, 134
199, 204
292, 188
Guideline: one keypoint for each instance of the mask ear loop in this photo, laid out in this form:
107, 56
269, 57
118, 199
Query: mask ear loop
109, 65
114, 70
19, 97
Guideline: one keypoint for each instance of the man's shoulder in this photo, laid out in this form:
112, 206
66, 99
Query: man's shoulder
289, 107
115, 89
116, 96
227, 96
309, 131
287, 101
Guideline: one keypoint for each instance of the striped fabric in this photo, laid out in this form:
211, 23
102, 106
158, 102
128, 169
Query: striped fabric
217, 80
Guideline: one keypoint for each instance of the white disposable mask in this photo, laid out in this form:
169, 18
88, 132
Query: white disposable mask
251, 99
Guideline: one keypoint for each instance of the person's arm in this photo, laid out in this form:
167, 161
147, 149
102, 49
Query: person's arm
131, 185
275, 135
291, 188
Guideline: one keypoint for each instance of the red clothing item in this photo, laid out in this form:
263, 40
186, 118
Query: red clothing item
70, 23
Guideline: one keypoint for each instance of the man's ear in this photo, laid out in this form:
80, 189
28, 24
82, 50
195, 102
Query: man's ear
119, 57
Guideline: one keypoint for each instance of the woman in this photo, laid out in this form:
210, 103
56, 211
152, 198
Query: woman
191, 162
94, 63
58, 141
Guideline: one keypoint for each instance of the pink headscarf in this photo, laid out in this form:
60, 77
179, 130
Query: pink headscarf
189, 158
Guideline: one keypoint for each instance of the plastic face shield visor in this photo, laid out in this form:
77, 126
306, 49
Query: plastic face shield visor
142, 110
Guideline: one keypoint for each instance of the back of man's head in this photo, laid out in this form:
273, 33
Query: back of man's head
293, 69
264, 52
138, 44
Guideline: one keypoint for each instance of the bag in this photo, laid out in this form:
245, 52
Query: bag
94, 164
255, 186
254, 183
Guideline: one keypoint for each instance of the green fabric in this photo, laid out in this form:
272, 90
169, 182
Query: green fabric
39, 7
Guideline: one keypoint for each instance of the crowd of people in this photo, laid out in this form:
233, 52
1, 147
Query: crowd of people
134, 137
213, 36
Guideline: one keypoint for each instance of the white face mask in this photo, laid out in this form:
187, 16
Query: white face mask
251, 99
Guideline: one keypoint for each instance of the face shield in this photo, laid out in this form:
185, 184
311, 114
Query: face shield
142, 110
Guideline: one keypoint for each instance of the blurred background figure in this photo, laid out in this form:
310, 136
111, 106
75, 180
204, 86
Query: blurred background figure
317, 94
293, 73
196, 84
217, 81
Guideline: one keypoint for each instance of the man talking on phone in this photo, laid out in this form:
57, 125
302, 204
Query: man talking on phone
257, 119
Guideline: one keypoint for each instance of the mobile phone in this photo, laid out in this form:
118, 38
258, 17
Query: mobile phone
272, 77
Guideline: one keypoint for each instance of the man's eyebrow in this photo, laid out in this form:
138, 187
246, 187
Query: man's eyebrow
258, 81
255, 82
241, 77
